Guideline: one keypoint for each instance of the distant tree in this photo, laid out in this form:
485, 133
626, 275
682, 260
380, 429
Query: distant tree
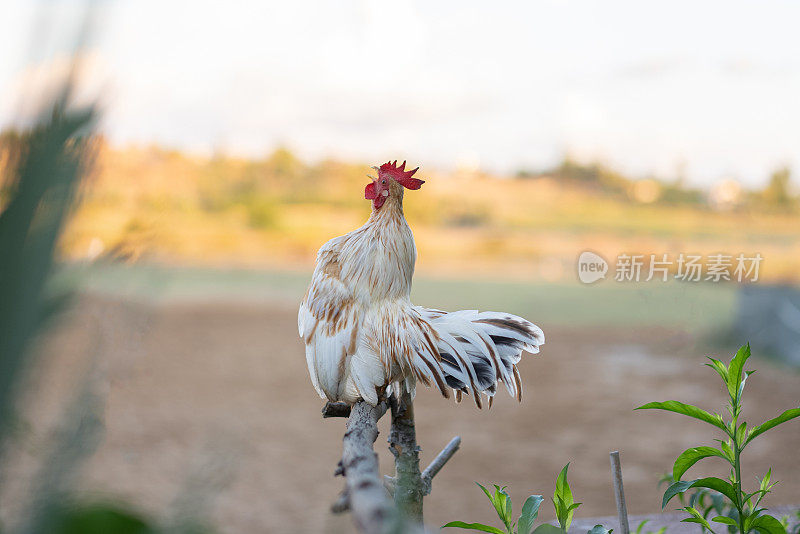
777, 192
595, 174
284, 164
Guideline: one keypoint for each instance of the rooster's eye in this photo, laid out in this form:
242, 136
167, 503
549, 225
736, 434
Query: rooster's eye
383, 182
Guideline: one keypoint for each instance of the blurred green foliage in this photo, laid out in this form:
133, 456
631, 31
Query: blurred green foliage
45, 168
49, 163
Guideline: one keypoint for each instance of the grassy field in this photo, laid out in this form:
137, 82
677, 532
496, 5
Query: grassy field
683, 305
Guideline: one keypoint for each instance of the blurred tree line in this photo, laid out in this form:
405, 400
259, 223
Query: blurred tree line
777, 194
156, 204
258, 186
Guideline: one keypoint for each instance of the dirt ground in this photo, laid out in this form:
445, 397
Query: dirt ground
207, 406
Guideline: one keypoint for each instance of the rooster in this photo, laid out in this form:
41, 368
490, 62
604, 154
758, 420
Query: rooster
363, 335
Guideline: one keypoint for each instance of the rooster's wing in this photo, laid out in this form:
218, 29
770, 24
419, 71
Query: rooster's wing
329, 322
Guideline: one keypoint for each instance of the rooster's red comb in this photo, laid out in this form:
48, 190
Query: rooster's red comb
400, 174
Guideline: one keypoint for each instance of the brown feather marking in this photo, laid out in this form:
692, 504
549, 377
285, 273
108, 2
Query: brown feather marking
335, 316
310, 335
508, 323
351, 349
333, 268
493, 354
442, 387
431, 345
342, 361
477, 397
519, 383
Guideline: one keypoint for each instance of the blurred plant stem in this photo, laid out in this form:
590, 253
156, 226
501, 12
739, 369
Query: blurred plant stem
52, 161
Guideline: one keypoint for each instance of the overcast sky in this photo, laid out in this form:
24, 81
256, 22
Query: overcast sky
649, 87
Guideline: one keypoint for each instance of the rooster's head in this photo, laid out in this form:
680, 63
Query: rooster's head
386, 184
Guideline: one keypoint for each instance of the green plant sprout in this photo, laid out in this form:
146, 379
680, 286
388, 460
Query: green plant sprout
640, 529
563, 502
704, 500
745, 515
785, 523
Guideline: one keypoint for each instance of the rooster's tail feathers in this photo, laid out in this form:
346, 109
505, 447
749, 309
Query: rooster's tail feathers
479, 349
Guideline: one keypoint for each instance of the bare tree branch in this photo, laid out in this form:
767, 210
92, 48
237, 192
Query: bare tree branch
436, 465
389, 483
368, 501
408, 487
366, 493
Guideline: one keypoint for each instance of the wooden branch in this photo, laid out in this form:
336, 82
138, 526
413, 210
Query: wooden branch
389, 483
366, 497
366, 493
619, 492
436, 465
408, 488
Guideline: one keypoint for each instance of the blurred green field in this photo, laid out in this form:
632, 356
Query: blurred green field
694, 307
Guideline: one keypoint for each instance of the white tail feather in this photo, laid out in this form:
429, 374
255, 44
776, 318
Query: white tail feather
479, 349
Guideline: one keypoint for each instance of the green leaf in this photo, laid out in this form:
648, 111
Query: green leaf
725, 519
741, 435
501, 502
473, 526
685, 409
600, 529
562, 486
772, 423
713, 483
764, 484
641, 526
530, 510
726, 448
563, 496
717, 503
508, 513
691, 456
745, 376
697, 517
491, 497
547, 528
98, 519
735, 370
720, 368
766, 524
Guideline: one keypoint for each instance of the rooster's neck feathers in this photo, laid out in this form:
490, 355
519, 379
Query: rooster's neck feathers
392, 209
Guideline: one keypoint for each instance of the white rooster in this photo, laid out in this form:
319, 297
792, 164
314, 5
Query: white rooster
363, 334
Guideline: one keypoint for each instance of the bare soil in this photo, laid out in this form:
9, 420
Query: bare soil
208, 407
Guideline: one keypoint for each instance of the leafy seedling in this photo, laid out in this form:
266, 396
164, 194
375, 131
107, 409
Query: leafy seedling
744, 514
562, 501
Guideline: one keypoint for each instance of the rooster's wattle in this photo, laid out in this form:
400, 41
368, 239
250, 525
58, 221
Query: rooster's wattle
363, 334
